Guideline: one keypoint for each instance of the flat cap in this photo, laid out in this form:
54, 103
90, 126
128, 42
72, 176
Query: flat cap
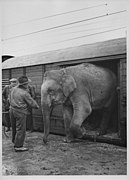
23, 80
13, 80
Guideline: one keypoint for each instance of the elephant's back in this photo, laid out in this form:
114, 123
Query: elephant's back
92, 72
98, 81
99, 77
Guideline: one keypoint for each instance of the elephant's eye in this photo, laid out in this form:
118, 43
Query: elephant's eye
51, 92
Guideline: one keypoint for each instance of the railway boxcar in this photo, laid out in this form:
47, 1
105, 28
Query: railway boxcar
110, 54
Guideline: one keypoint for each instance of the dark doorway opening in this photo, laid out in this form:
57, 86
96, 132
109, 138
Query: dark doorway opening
92, 123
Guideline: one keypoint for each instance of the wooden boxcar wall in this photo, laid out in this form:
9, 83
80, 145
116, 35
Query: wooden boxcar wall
123, 97
6, 74
35, 73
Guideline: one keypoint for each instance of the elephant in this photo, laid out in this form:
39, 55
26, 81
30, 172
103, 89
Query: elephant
80, 89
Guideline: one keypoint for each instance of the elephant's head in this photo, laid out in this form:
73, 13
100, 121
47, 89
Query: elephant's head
56, 87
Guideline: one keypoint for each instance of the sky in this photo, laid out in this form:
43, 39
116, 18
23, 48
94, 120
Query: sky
33, 26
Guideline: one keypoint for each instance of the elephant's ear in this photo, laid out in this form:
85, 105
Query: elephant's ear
68, 85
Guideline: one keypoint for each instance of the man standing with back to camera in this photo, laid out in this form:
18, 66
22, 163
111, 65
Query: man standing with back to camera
20, 100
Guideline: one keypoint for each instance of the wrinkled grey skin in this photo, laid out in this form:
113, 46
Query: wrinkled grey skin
80, 89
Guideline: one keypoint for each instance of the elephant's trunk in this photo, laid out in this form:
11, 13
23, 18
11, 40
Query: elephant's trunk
46, 119
46, 111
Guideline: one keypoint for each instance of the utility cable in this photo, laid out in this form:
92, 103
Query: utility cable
54, 15
84, 30
67, 24
91, 23
92, 34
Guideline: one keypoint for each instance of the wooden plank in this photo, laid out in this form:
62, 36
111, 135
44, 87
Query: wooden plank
56, 125
37, 123
34, 69
16, 73
123, 116
43, 71
56, 130
35, 74
118, 92
5, 74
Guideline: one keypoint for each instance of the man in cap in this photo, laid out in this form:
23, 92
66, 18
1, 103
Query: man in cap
5, 96
20, 100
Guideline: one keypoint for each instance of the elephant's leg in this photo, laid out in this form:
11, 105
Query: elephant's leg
67, 115
82, 110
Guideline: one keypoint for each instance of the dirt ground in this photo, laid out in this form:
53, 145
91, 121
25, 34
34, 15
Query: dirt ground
59, 158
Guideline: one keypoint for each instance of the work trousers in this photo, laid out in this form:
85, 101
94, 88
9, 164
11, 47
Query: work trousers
7, 122
7, 118
18, 122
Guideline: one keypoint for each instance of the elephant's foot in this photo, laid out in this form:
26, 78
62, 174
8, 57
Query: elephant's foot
44, 139
83, 130
77, 131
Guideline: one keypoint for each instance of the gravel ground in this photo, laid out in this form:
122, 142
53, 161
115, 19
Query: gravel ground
59, 158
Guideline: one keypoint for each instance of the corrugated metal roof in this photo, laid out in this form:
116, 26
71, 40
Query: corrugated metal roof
111, 47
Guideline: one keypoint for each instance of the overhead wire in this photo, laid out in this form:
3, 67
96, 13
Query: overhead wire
67, 24
84, 30
91, 23
91, 34
58, 14
70, 39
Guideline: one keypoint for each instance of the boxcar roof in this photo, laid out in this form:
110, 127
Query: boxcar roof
99, 49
